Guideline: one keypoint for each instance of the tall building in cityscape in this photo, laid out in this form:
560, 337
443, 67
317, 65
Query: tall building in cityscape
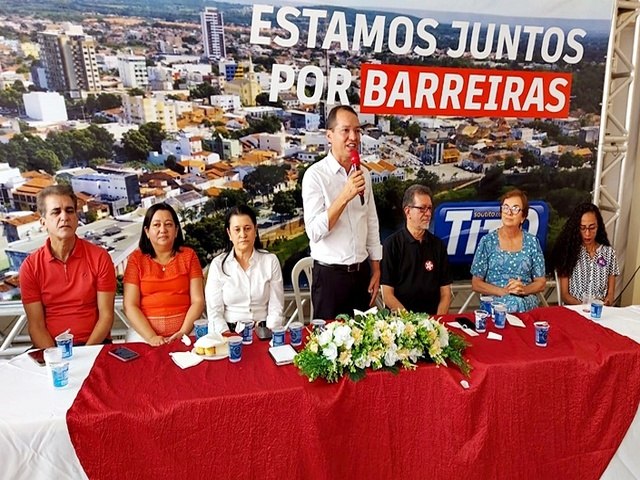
133, 71
45, 106
139, 110
213, 33
69, 58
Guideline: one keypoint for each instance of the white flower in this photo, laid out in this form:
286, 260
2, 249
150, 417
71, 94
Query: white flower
398, 327
443, 335
361, 362
342, 336
330, 351
391, 356
325, 337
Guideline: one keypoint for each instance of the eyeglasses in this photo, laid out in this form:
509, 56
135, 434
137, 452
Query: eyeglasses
346, 131
422, 210
590, 228
514, 210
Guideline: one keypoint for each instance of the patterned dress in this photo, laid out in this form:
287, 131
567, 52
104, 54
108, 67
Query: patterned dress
497, 266
590, 276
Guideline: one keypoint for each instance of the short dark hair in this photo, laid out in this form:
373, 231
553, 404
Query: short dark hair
410, 194
145, 244
331, 118
54, 190
233, 212
523, 196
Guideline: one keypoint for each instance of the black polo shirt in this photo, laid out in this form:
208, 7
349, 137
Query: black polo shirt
416, 270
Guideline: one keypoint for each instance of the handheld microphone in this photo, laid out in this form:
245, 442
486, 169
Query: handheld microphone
355, 162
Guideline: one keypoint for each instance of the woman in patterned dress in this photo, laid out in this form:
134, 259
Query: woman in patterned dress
584, 259
509, 264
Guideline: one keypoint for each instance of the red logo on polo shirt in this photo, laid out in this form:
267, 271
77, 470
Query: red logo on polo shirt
428, 265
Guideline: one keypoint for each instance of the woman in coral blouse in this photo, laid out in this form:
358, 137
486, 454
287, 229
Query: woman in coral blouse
163, 282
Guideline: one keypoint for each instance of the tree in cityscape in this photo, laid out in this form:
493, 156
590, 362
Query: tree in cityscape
45, 159
413, 131
11, 99
510, 162
207, 237
284, 203
154, 133
262, 99
528, 159
428, 179
490, 186
388, 196
203, 90
264, 179
135, 145
228, 198
103, 101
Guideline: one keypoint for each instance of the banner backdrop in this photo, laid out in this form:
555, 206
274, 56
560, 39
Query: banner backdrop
425, 57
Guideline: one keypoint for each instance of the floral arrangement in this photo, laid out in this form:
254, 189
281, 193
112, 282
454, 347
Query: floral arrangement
378, 340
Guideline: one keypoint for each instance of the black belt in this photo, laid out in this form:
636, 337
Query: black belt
354, 267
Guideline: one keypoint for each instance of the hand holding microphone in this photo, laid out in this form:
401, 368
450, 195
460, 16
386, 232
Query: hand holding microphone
355, 163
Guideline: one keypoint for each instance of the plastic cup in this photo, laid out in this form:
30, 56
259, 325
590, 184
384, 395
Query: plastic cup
277, 334
596, 309
542, 333
295, 331
247, 332
481, 320
485, 304
200, 328
65, 342
318, 325
235, 348
499, 314
59, 374
586, 303
52, 355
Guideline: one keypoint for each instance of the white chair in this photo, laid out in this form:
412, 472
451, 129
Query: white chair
303, 265
558, 292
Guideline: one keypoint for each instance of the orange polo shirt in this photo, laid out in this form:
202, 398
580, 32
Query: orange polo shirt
68, 290
165, 295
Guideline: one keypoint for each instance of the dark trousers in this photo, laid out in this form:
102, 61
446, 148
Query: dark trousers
335, 291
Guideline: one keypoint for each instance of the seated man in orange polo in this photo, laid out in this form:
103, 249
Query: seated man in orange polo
68, 283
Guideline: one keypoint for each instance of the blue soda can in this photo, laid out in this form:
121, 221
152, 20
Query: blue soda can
596, 309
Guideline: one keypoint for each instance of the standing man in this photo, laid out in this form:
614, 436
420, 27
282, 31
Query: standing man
341, 222
415, 267
68, 283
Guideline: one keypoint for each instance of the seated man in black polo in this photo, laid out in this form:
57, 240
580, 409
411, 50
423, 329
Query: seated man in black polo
415, 268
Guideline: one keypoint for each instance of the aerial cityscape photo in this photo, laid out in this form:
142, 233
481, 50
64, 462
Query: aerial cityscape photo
206, 105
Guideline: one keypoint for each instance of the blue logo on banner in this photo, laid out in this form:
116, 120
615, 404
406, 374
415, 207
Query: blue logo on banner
461, 225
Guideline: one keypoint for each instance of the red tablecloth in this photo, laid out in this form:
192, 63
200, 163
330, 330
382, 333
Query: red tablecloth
531, 412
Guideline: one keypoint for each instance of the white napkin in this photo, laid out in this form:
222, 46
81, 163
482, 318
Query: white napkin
464, 328
185, 359
283, 354
186, 340
514, 321
494, 336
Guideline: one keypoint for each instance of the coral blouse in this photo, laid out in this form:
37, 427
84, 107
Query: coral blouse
165, 294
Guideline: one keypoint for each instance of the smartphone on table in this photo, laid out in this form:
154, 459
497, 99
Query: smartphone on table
37, 356
466, 322
124, 354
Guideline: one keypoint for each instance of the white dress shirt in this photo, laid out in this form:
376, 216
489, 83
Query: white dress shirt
356, 234
237, 295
